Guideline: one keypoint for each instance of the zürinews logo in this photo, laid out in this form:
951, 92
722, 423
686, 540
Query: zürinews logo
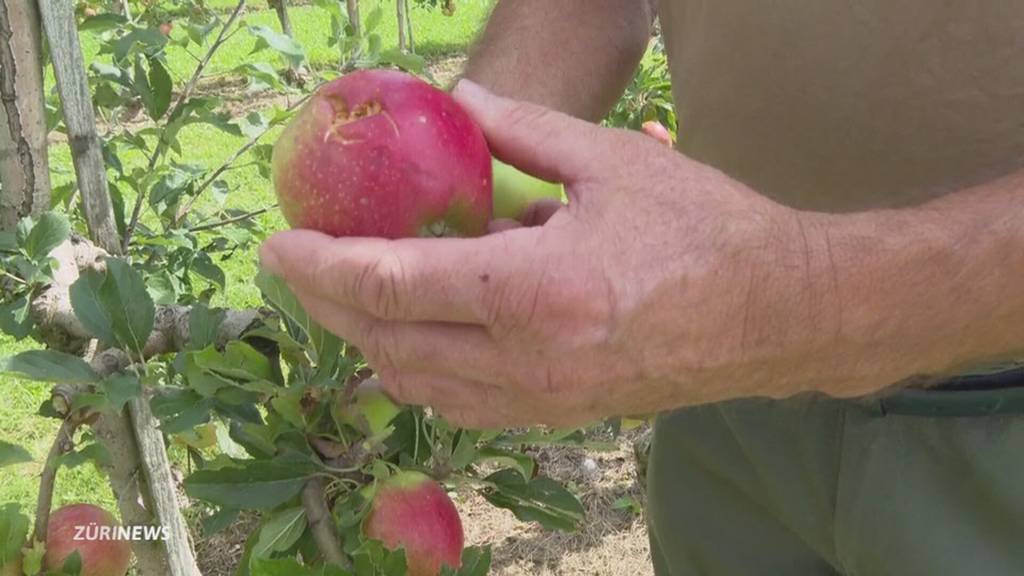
93, 532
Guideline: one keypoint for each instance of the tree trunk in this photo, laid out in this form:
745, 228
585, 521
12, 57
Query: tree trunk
408, 26
281, 7
400, 8
80, 118
352, 7
24, 167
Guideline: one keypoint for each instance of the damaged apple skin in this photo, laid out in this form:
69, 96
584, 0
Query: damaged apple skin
382, 153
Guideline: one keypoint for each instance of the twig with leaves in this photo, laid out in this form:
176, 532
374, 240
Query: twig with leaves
186, 93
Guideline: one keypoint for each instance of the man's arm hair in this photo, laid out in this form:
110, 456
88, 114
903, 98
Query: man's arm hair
575, 56
920, 292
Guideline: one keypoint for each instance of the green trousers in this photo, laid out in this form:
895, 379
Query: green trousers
918, 483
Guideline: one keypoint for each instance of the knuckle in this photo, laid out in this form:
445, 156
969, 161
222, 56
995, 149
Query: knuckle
379, 345
396, 385
525, 114
379, 286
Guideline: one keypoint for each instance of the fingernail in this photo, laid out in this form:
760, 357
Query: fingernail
269, 262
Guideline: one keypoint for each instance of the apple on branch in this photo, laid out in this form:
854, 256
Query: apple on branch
88, 530
412, 511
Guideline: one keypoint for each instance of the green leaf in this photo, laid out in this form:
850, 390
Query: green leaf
48, 232
131, 308
410, 62
94, 452
15, 318
257, 485
289, 406
13, 533
282, 44
148, 40
117, 203
72, 565
120, 389
204, 266
48, 366
140, 85
209, 370
374, 19
8, 240
115, 306
465, 450
261, 75
161, 288
291, 567
476, 561
204, 324
282, 530
87, 303
12, 454
521, 463
218, 521
539, 500
102, 23
326, 346
180, 409
160, 84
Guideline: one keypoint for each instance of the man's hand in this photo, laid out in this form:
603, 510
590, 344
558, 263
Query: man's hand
662, 283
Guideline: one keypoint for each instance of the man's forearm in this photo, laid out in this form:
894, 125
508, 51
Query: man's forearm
917, 292
575, 56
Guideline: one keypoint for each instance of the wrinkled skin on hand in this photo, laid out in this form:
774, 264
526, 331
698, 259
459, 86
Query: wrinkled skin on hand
662, 283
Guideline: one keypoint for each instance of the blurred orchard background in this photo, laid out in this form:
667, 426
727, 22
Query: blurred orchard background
188, 96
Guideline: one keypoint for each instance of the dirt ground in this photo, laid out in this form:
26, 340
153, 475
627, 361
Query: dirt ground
611, 542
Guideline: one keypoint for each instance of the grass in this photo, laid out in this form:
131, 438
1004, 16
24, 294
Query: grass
436, 35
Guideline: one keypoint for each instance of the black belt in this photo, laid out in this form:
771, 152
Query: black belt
962, 396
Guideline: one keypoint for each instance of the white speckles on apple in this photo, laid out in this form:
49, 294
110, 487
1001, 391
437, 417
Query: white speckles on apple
364, 201
421, 119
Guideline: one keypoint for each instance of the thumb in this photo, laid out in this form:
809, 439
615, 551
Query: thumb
540, 141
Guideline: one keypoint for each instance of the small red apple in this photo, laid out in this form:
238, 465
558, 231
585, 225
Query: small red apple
382, 153
89, 530
412, 511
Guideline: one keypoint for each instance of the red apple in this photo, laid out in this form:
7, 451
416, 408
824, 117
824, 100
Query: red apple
91, 531
412, 511
382, 153
166, 27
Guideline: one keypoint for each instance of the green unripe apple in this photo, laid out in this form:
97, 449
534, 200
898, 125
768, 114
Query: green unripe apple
515, 190
371, 411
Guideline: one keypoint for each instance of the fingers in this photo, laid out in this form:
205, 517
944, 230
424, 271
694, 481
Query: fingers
437, 279
657, 131
537, 140
462, 402
503, 224
536, 214
456, 350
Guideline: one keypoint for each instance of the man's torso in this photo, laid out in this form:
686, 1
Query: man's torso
842, 105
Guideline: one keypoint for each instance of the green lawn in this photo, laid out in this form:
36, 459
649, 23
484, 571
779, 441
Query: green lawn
435, 33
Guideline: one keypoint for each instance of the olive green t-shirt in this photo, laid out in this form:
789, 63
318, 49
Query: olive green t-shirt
839, 105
